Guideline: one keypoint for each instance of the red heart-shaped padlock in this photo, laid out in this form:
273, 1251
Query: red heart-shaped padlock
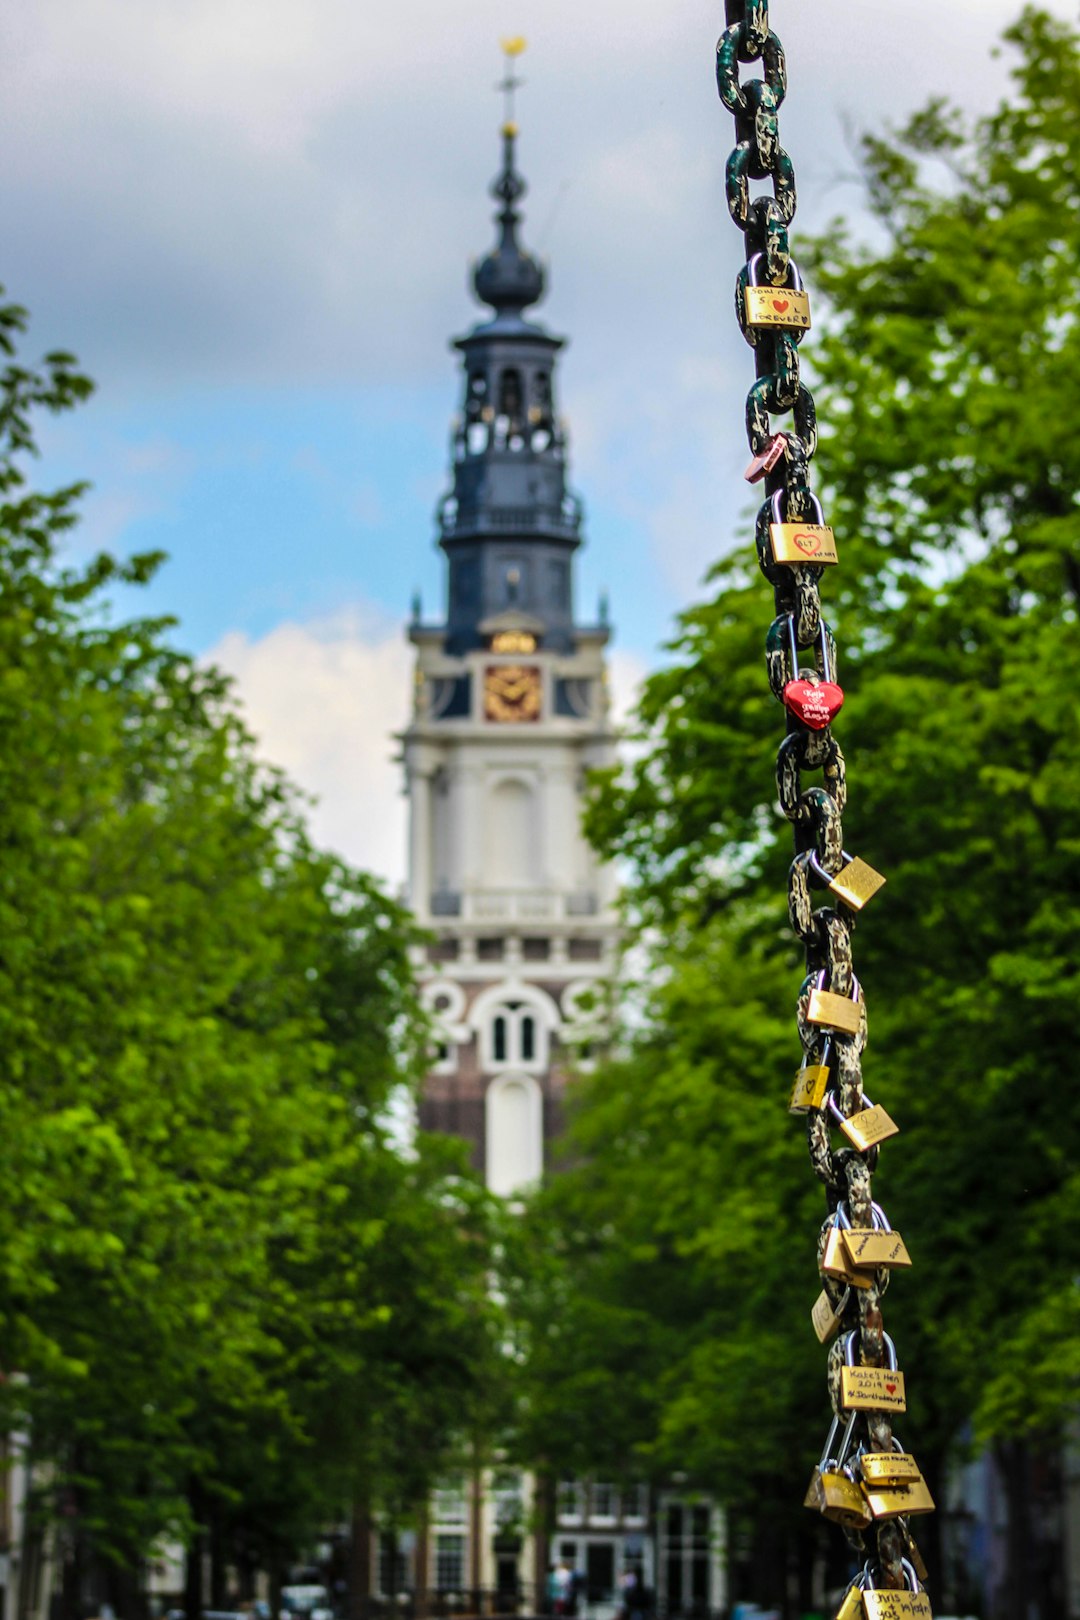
815, 703
780, 305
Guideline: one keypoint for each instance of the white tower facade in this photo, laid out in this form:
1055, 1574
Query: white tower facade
511, 711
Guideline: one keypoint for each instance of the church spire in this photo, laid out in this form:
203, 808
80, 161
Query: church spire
509, 278
509, 525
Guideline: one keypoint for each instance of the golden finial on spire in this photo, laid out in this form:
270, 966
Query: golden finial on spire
509, 83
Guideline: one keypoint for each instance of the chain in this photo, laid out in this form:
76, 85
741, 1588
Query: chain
861, 1484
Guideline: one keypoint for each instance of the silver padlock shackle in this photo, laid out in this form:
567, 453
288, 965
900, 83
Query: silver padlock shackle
849, 1350
796, 284
845, 1444
827, 672
881, 1221
777, 515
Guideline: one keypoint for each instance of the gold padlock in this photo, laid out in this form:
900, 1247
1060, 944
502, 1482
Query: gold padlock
880, 1605
785, 307
899, 1501
871, 1389
826, 1317
800, 543
852, 1606
835, 1262
889, 1467
870, 1247
868, 1127
811, 1084
842, 1501
856, 883
827, 1010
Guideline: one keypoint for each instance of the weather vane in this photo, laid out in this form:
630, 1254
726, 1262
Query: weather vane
509, 83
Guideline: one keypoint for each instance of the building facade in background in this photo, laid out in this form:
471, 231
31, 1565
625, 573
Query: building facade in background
511, 710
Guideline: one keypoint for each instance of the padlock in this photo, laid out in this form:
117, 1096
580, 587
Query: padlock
910, 1604
878, 1245
871, 1389
835, 1261
895, 1467
811, 1084
798, 543
826, 1317
899, 1501
826, 1010
833, 1489
893, 1484
867, 1128
785, 307
854, 884
851, 1606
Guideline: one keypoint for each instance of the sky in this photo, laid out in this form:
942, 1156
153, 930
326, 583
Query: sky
253, 220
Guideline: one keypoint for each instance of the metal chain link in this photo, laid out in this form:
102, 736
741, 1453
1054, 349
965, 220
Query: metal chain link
801, 661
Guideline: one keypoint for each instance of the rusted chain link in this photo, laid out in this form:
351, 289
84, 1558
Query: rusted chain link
860, 1482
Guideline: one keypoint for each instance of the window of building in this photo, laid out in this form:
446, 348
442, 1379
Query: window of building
635, 1503
536, 950
570, 1500
685, 1552
507, 1497
516, 1036
584, 950
603, 1500
393, 1565
449, 1562
490, 950
449, 1504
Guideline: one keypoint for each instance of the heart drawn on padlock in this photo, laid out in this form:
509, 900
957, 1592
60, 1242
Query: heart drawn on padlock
891, 1388
780, 305
815, 703
807, 543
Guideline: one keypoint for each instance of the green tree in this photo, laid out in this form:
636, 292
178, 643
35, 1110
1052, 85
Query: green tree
943, 365
220, 1277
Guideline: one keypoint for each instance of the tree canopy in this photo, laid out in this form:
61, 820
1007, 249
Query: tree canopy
945, 349
228, 1294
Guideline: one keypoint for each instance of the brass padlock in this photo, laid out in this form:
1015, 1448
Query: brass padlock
868, 1127
852, 1606
856, 882
871, 1389
785, 307
842, 1014
835, 1262
899, 1501
878, 1245
833, 1489
826, 1317
889, 1467
811, 1084
910, 1604
797, 543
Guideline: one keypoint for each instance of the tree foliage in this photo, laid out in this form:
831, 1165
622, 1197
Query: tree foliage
944, 362
227, 1293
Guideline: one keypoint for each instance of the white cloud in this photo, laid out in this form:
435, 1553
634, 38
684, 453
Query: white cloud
324, 700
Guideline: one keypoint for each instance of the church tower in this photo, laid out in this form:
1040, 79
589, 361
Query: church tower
511, 710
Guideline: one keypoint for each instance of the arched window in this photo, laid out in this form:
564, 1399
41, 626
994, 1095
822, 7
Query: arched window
511, 836
510, 399
515, 1037
514, 1135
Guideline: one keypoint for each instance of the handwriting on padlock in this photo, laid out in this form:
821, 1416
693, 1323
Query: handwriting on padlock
802, 543
869, 1247
872, 1389
897, 1606
772, 306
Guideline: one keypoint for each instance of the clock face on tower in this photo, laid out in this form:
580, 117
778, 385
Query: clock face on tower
512, 692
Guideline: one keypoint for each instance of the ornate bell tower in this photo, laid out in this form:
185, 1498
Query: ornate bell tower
510, 712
